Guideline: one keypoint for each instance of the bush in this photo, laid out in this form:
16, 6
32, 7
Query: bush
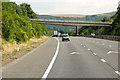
16, 24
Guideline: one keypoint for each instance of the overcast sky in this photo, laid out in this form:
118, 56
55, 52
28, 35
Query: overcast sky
84, 7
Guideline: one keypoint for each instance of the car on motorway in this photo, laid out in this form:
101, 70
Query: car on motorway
65, 37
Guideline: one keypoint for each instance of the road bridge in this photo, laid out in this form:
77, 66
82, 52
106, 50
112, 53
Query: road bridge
72, 23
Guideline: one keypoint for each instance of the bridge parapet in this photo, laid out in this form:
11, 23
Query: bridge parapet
71, 23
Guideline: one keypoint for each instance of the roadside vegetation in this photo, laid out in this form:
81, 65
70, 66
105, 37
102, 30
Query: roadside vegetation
16, 24
113, 30
10, 49
71, 32
18, 29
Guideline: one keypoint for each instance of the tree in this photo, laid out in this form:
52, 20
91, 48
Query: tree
16, 23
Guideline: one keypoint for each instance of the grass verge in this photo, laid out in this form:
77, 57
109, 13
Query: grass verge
10, 53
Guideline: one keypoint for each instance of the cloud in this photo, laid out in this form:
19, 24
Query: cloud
85, 7
72, 6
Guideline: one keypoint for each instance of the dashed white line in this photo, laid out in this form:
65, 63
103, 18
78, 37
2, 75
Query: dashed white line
94, 53
81, 44
103, 44
88, 49
103, 60
117, 72
112, 52
84, 46
51, 63
74, 53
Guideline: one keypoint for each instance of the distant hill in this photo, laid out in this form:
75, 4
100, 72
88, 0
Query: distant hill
107, 14
68, 15
75, 17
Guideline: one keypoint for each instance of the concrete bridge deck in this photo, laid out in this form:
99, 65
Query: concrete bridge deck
72, 23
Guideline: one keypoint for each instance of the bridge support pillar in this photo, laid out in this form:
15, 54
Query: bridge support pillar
77, 31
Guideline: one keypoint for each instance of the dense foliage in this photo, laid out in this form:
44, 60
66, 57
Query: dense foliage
111, 30
67, 31
116, 23
16, 22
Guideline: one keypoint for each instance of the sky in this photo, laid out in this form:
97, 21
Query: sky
81, 7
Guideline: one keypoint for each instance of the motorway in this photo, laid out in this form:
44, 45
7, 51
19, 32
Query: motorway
79, 58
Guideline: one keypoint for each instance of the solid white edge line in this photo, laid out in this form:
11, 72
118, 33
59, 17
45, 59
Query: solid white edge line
51, 63
103, 60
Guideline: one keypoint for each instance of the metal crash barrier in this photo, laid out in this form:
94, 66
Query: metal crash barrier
117, 38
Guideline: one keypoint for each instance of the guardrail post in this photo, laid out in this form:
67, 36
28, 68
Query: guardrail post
18, 49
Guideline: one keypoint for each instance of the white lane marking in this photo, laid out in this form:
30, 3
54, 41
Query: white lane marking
94, 53
117, 72
88, 49
51, 63
103, 44
112, 52
84, 46
103, 60
81, 44
74, 53
110, 45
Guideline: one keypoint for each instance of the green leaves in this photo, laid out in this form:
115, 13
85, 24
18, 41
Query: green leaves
16, 24
27, 11
111, 30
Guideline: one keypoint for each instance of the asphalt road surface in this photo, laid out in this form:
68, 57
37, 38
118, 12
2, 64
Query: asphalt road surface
79, 58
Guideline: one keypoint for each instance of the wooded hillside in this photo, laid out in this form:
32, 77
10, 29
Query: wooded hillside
16, 24
114, 29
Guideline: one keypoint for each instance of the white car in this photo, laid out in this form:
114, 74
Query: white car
65, 37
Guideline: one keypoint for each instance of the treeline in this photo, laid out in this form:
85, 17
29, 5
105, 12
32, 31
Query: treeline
16, 24
71, 32
114, 29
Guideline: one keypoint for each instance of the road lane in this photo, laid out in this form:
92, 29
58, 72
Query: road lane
75, 61
34, 64
102, 50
